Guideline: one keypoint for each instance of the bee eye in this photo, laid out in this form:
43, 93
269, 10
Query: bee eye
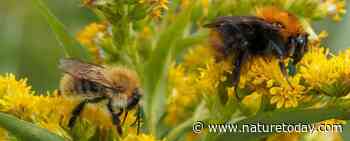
301, 40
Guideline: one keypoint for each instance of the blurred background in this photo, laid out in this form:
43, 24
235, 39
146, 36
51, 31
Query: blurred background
29, 49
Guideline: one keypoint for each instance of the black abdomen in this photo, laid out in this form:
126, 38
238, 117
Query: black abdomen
87, 87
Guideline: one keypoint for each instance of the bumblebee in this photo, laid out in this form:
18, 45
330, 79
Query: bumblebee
272, 32
119, 86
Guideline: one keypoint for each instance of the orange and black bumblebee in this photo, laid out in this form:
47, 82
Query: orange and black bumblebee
119, 86
273, 32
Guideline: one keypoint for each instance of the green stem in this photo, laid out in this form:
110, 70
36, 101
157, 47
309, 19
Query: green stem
173, 135
198, 115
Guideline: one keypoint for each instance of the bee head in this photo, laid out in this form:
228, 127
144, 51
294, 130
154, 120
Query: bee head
298, 46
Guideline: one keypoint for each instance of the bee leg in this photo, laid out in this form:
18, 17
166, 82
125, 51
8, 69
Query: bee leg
280, 54
284, 72
125, 116
138, 119
79, 108
115, 117
240, 59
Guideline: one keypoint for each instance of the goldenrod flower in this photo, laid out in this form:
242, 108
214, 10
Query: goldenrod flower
4, 135
213, 74
284, 137
317, 69
9, 84
183, 94
51, 112
335, 8
157, 7
287, 96
198, 56
141, 137
91, 37
258, 71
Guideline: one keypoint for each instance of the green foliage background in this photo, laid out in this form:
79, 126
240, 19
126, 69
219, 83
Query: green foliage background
29, 49
27, 45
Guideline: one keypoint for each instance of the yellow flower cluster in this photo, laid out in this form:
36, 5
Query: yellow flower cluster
183, 95
262, 75
91, 37
320, 68
199, 74
140, 137
158, 6
52, 111
335, 8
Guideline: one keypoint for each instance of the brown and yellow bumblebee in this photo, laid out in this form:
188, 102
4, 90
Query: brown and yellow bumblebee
273, 32
119, 86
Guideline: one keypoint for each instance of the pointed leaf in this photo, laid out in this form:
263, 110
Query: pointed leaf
70, 47
25, 131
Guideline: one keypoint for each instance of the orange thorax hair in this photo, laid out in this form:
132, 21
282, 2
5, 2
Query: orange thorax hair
290, 24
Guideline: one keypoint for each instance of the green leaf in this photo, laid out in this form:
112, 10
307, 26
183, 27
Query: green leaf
157, 68
25, 131
70, 46
185, 43
337, 89
291, 116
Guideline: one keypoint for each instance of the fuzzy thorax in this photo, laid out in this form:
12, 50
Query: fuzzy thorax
289, 22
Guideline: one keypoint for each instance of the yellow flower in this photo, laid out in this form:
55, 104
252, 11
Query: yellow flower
213, 74
335, 8
4, 135
91, 36
185, 3
287, 96
51, 111
198, 56
284, 137
318, 68
9, 84
183, 94
198, 74
333, 129
258, 71
141, 137
157, 7
163, 4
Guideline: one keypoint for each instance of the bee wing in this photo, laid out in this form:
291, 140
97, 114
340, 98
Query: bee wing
230, 20
82, 70
235, 20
